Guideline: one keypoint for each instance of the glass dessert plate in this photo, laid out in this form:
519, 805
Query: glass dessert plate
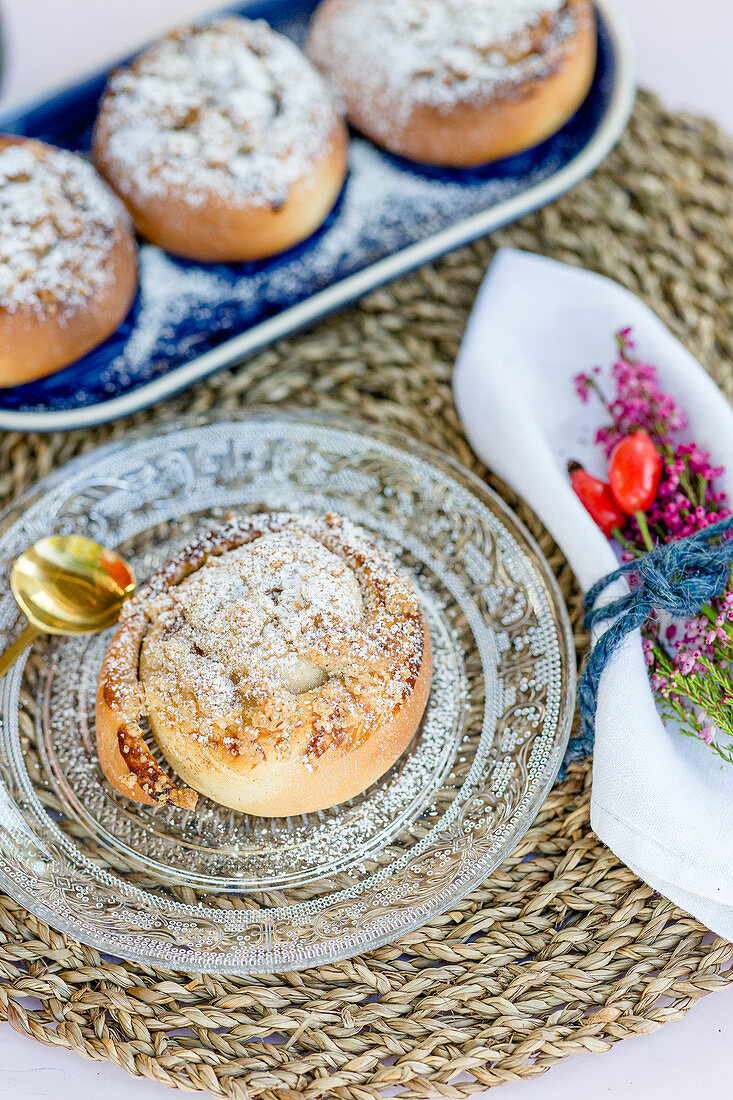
216, 890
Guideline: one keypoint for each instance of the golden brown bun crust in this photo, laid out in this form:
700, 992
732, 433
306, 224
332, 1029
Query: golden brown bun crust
217, 232
274, 783
281, 786
245, 184
474, 133
110, 720
33, 345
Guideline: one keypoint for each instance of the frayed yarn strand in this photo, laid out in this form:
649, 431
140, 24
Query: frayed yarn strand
679, 578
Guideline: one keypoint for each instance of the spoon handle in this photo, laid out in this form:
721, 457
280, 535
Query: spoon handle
13, 652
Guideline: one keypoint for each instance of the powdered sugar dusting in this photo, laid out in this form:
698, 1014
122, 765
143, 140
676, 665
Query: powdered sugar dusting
58, 218
304, 605
435, 52
230, 108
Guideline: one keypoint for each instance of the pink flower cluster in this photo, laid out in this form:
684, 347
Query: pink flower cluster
687, 499
691, 674
638, 401
704, 635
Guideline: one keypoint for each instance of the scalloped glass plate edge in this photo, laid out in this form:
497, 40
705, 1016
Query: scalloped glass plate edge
203, 955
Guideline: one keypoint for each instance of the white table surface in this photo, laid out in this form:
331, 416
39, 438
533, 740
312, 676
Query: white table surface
683, 51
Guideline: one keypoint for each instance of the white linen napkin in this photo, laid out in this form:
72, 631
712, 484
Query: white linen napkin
662, 802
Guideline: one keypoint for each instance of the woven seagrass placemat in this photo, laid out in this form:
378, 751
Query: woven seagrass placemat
565, 952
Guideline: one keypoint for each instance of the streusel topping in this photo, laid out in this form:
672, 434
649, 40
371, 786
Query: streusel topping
229, 108
58, 220
307, 620
437, 52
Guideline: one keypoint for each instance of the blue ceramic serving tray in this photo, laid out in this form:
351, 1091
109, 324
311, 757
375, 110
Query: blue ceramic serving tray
189, 319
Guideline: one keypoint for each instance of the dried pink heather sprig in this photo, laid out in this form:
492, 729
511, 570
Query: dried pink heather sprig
691, 669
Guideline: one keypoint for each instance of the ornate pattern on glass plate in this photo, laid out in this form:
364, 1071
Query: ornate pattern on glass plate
216, 890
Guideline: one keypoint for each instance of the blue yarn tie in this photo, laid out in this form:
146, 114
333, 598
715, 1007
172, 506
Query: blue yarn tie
680, 577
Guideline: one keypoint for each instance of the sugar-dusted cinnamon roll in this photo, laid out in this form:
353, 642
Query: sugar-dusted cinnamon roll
223, 141
456, 82
68, 259
283, 663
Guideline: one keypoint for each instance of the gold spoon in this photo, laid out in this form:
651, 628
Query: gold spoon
66, 584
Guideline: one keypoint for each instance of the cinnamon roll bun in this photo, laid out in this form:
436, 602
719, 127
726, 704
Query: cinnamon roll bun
456, 82
68, 259
283, 663
223, 142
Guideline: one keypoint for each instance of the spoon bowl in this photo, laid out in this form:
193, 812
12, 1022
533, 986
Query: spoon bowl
67, 584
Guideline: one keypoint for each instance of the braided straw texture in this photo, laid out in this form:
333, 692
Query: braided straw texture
565, 952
